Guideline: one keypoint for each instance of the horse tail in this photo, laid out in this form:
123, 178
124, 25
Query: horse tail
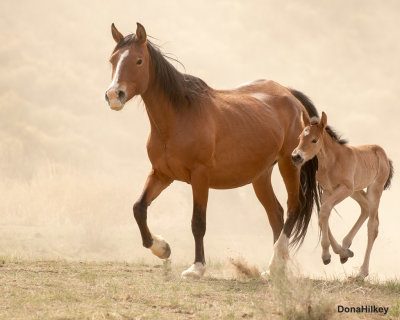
310, 190
389, 179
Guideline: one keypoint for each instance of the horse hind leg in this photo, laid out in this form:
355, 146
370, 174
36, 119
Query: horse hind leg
291, 178
361, 198
265, 194
374, 194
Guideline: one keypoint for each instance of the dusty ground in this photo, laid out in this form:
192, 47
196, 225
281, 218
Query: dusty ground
93, 290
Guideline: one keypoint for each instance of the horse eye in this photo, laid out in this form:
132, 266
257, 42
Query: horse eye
139, 62
314, 141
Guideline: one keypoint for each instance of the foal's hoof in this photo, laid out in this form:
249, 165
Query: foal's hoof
348, 254
195, 271
326, 261
343, 260
359, 277
160, 247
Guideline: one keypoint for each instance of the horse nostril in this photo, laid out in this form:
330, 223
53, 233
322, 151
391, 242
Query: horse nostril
121, 95
296, 157
106, 97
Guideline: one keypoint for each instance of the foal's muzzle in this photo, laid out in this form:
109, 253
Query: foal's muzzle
297, 158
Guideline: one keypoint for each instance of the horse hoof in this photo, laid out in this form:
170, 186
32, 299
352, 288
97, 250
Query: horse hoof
350, 253
347, 254
326, 261
160, 247
358, 278
195, 271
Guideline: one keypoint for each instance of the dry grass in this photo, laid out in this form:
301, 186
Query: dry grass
87, 290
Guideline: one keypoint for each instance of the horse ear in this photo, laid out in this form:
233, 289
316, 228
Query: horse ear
116, 34
140, 34
305, 120
324, 120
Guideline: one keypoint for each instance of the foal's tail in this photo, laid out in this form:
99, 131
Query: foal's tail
310, 191
389, 179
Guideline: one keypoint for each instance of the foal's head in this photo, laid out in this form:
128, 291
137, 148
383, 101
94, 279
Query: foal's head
130, 67
310, 139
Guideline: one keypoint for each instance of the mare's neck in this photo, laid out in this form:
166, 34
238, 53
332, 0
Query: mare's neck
159, 109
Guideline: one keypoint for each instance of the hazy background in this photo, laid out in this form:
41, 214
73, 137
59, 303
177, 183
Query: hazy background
71, 168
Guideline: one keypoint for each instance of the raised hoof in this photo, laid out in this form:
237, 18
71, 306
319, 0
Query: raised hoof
348, 254
326, 261
160, 247
196, 271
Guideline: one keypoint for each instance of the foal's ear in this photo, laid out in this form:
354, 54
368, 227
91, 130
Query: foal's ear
305, 120
140, 34
324, 120
116, 34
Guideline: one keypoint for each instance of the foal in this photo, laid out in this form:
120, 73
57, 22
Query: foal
344, 171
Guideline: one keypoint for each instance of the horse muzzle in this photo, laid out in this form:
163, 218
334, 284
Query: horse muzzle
297, 158
115, 98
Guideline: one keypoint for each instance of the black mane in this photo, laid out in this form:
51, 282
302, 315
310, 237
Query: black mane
332, 132
178, 87
335, 136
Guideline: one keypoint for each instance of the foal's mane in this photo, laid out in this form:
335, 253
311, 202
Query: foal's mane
332, 132
178, 87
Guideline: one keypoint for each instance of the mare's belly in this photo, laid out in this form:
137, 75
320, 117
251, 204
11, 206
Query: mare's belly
236, 172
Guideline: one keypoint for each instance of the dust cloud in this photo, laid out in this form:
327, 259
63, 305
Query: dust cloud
71, 168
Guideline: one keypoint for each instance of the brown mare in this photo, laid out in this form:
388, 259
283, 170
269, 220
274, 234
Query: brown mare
344, 171
214, 139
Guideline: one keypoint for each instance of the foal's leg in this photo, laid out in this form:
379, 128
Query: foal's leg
154, 185
328, 202
200, 186
265, 194
344, 253
291, 178
374, 194
361, 198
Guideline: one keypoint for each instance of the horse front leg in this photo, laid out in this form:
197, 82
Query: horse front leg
344, 253
154, 185
200, 186
328, 202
